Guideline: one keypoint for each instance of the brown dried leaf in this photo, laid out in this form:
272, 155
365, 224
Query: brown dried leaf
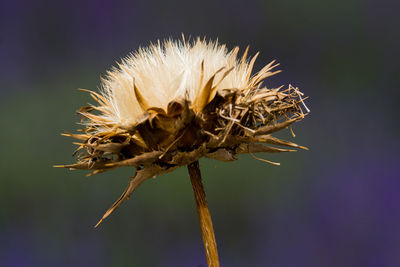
143, 159
184, 158
136, 181
141, 100
251, 64
110, 147
85, 165
276, 141
258, 148
275, 127
203, 95
222, 155
82, 137
213, 91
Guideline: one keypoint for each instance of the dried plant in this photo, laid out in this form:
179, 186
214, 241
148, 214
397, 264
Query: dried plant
170, 104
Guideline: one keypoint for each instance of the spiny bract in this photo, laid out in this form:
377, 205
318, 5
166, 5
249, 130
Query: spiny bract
169, 104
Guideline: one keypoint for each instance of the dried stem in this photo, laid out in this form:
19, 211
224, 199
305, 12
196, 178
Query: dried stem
207, 230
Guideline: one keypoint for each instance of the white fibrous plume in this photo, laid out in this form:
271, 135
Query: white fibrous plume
165, 72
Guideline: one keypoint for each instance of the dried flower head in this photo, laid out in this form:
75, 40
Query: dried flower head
169, 104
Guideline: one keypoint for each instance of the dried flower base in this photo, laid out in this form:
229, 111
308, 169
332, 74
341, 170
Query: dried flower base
217, 123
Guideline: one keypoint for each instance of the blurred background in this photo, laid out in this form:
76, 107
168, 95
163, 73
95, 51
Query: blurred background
335, 205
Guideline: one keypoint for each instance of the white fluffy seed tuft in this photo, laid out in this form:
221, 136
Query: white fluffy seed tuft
164, 72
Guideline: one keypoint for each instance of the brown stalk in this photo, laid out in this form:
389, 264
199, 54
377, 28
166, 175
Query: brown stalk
207, 230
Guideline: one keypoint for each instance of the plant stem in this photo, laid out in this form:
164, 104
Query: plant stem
207, 230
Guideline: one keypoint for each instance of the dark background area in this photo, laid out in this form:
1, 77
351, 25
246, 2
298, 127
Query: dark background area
335, 205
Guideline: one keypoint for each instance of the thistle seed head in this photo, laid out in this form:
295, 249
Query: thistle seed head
171, 103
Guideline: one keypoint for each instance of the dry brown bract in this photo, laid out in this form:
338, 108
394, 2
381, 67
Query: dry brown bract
214, 121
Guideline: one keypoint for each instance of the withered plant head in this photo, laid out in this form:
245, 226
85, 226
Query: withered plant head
170, 104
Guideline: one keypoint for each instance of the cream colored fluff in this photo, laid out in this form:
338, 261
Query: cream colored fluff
166, 71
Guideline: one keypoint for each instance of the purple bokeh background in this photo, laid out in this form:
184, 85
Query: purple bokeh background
335, 205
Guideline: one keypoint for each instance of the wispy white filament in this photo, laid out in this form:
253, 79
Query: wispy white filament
166, 71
